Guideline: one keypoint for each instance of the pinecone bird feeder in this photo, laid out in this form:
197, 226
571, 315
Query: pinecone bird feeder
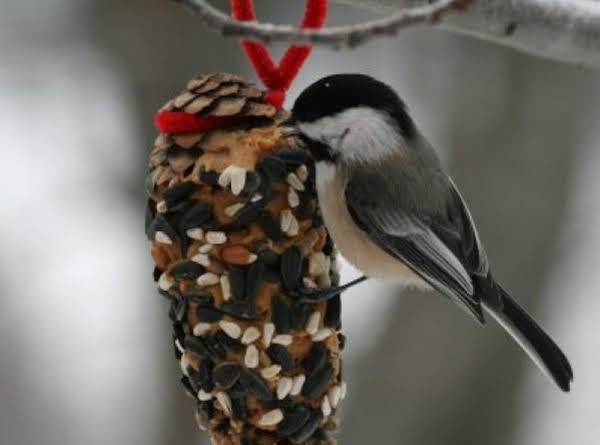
236, 235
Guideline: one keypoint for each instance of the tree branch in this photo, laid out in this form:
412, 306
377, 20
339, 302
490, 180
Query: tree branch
563, 30
338, 36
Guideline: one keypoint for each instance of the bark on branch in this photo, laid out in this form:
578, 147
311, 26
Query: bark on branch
338, 36
563, 30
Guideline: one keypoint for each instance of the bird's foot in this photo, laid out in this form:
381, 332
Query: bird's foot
314, 294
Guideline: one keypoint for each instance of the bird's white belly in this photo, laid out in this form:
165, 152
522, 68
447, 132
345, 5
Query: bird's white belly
352, 242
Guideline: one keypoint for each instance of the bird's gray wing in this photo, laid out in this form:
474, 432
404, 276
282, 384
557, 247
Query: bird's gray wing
443, 249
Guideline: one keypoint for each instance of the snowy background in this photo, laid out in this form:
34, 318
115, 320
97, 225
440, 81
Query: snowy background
85, 354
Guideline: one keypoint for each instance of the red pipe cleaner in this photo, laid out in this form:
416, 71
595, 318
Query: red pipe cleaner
277, 78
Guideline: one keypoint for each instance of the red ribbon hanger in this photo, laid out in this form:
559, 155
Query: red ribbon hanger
277, 78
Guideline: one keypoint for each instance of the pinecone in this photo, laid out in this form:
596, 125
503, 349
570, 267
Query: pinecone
237, 238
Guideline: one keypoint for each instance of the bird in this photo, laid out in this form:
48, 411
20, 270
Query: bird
394, 213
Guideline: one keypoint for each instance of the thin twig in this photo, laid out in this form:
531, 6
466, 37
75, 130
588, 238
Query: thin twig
338, 36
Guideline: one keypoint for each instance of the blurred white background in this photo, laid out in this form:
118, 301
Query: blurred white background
84, 337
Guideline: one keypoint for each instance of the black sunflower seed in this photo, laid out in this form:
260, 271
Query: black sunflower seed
208, 314
274, 168
215, 348
160, 224
328, 246
156, 273
179, 332
317, 383
256, 385
149, 212
187, 269
270, 226
246, 310
204, 375
178, 310
197, 215
307, 206
249, 213
281, 315
273, 275
293, 420
237, 281
226, 374
237, 391
342, 340
291, 267
300, 313
246, 440
178, 193
238, 409
316, 359
268, 257
254, 279
308, 429
200, 297
333, 313
187, 385
209, 177
280, 355
205, 413
229, 343
197, 346
180, 208
149, 184
251, 185
292, 156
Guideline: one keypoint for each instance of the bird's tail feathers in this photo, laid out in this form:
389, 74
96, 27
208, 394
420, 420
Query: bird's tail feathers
530, 336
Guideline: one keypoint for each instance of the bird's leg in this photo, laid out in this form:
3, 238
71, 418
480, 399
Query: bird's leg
311, 294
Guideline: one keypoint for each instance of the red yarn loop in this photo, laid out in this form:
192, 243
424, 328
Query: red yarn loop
277, 78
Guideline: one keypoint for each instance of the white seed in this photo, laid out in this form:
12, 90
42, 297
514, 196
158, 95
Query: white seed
343, 388
283, 339
201, 328
233, 209
302, 172
224, 401
225, 177
216, 237
256, 197
165, 282
295, 182
184, 363
251, 357
162, 237
293, 198
318, 264
284, 386
268, 331
271, 418
297, 384
202, 259
325, 406
161, 207
196, 233
286, 220
178, 346
225, 287
208, 279
203, 396
309, 282
294, 227
335, 265
238, 180
334, 395
230, 328
322, 334
250, 335
270, 372
312, 325
252, 258
205, 248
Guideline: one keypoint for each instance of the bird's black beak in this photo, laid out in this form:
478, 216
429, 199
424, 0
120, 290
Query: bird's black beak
289, 125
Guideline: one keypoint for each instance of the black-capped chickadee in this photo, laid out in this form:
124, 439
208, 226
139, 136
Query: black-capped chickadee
395, 214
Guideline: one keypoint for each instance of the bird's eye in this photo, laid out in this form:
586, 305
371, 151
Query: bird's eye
327, 85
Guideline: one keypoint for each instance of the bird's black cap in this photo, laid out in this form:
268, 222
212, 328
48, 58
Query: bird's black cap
339, 92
